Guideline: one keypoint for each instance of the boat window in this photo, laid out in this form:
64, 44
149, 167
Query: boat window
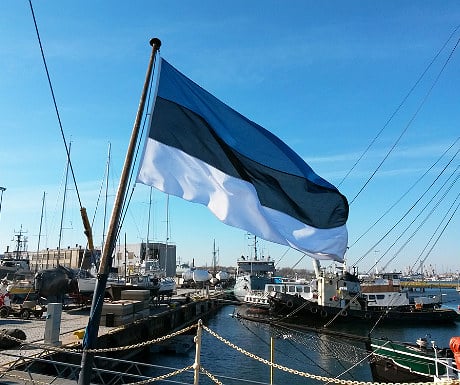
306, 289
380, 296
278, 289
298, 289
371, 296
270, 288
291, 289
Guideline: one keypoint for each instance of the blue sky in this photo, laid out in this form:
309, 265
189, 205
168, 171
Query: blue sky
323, 76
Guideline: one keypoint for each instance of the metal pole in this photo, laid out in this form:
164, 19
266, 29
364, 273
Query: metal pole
272, 358
90, 338
40, 231
196, 365
126, 253
63, 203
2, 190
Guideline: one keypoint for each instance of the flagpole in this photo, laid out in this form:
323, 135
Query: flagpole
90, 338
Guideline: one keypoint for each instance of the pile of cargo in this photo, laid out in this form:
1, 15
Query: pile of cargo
133, 305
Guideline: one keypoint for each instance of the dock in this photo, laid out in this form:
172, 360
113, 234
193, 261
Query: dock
119, 327
428, 285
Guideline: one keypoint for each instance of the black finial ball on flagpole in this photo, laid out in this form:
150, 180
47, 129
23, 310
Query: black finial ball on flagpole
155, 41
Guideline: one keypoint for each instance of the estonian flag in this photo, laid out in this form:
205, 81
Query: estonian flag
201, 150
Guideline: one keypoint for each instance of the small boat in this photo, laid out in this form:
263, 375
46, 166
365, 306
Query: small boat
423, 361
11, 268
167, 286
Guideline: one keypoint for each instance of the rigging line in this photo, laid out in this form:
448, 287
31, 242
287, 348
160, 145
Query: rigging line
281, 258
422, 261
366, 358
103, 181
126, 202
411, 120
279, 350
328, 348
420, 213
313, 341
429, 252
300, 260
402, 196
55, 103
426, 217
404, 215
296, 332
400, 105
428, 242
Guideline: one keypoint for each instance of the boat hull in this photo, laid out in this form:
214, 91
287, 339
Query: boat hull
392, 361
294, 306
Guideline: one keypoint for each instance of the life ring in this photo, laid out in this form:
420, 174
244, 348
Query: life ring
367, 316
343, 313
323, 313
289, 303
314, 310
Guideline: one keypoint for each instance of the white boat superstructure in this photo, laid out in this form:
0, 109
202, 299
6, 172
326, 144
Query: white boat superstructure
252, 274
385, 291
301, 289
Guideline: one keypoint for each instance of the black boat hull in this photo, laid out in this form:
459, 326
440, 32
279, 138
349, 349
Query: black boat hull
285, 305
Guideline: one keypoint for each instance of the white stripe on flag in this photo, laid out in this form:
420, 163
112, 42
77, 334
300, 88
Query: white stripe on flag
234, 201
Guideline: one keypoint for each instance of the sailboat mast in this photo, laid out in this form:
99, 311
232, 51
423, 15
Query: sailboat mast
40, 231
147, 248
167, 231
90, 338
214, 257
63, 204
106, 193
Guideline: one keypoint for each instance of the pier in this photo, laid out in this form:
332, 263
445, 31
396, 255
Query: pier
429, 284
126, 323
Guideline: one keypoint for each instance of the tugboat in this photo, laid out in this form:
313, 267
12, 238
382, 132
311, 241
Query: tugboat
337, 296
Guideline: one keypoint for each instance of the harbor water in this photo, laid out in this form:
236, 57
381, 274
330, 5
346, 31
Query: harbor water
310, 352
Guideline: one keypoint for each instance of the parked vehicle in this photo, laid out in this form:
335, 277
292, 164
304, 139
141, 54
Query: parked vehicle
24, 310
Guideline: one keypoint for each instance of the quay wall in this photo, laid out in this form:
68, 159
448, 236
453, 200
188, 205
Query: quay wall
159, 324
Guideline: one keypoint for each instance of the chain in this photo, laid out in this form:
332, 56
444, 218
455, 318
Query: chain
115, 349
304, 374
22, 379
162, 377
211, 376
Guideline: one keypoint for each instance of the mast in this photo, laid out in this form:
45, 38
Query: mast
63, 203
106, 193
147, 247
90, 338
167, 231
40, 231
21, 243
214, 257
